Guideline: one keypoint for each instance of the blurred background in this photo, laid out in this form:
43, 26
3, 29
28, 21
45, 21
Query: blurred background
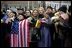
33, 4
23, 9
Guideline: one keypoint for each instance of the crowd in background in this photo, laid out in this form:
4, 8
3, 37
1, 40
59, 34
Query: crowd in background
48, 27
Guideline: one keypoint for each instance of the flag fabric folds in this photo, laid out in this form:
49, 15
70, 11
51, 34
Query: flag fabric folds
22, 38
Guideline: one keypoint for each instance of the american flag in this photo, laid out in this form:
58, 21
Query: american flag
22, 39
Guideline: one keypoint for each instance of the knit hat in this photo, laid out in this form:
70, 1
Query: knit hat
63, 8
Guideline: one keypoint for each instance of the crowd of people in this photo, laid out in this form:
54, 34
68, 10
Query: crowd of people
47, 27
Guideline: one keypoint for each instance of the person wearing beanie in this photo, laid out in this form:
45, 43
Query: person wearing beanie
63, 13
62, 27
63, 9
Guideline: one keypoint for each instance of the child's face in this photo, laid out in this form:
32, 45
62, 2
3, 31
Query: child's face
20, 17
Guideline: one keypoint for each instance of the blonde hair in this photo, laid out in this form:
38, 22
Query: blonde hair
35, 9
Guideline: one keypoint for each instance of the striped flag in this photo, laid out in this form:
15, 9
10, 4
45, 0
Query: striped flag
22, 39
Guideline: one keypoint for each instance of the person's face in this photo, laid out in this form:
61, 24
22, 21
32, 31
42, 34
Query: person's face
27, 13
35, 13
11, 15
41, 11
45, 15
20, 17
49, 11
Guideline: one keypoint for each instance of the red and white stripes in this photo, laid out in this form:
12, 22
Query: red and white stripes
14, 40
21, 39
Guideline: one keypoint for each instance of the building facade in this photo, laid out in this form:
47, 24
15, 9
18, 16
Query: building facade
33, 4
